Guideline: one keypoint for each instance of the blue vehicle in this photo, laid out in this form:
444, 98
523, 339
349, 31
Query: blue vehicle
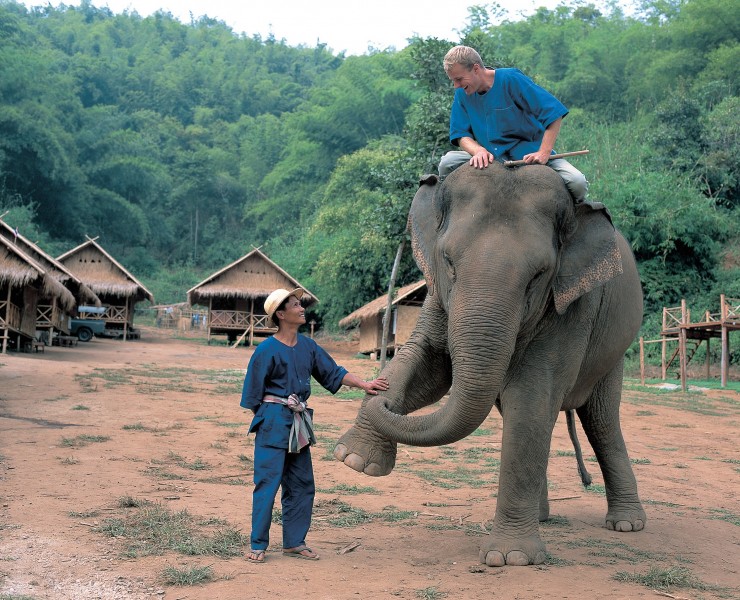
92, 325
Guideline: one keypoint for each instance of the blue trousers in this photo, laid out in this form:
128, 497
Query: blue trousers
273, 468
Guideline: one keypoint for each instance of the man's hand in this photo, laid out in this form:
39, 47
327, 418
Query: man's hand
536, 158
376, 385
481, 159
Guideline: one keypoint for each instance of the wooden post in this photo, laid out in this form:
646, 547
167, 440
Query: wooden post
210, 321
389, 305
125, 321
725, 338
682, 345
6, 332
251, 322
642, 360
663, 349
707, 361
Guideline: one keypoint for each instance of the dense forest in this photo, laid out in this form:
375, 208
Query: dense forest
182, 146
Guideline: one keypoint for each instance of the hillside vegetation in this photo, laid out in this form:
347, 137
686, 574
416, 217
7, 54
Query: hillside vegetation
182, 146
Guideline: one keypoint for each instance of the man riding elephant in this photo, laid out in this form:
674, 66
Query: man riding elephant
501, 114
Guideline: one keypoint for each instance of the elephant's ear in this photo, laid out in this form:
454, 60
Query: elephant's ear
590, 256
422, 225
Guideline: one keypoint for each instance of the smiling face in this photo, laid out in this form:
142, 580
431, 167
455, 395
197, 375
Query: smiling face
470, 80
292, 312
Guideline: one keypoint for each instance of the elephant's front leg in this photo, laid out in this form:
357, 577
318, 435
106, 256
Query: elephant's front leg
419, 375
522, 497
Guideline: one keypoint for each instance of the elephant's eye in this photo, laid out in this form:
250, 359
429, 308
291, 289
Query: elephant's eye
535, 280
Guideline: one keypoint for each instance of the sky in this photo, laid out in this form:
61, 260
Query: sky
349, 26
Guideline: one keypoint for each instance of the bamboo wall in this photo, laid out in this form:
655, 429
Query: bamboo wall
406, 317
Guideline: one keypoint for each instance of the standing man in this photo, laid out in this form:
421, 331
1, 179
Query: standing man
276, 389
501, 114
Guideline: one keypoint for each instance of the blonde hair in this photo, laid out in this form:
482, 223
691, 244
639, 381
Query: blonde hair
462, 55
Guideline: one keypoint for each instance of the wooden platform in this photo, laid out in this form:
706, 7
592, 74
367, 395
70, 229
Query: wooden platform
677, 326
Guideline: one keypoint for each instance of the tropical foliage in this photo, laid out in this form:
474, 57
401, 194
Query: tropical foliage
183, 145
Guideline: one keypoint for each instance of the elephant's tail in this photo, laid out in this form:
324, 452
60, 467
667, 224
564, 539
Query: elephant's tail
571, 420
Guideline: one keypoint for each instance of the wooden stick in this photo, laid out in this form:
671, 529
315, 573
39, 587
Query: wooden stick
241, 337
519, 163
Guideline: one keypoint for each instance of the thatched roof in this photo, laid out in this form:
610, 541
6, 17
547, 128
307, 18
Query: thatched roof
82, 293
102, 273
18, 269
378, 305
253, 276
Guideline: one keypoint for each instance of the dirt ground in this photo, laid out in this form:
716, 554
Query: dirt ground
93, 435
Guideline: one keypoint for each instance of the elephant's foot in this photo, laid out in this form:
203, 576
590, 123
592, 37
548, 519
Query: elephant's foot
629, 517
498, 551
366, 452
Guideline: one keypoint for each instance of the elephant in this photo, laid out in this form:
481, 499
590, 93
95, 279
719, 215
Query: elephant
531, 303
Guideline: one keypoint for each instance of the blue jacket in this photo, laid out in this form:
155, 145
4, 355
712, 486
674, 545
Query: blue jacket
280, 370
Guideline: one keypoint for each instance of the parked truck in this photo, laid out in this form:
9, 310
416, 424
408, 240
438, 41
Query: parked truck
91, 325
85, 329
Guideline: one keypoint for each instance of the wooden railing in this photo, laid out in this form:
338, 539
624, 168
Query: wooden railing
234, 319
113, 314
729, 311
673, 318
11, 316
48, 316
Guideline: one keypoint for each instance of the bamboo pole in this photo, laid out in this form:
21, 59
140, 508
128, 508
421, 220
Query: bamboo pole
642, 360
387, 315
242, 336
519, 163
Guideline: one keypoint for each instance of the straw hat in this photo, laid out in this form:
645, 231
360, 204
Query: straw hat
279, 296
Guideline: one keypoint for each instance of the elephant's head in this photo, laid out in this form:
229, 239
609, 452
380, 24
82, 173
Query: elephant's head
500, 248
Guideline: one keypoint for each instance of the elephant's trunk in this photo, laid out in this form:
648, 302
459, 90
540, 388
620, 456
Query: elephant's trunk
481, 346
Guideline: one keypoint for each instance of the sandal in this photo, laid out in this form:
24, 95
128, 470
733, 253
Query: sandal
256, 556
303, 552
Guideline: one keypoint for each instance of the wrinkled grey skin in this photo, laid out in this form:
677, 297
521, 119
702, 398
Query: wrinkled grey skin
529, 309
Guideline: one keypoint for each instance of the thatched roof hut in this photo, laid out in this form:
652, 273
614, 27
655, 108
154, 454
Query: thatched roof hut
117, 289
18, 269
22, 281
82, 293
103, 274
406, 305
53, 310
235, 295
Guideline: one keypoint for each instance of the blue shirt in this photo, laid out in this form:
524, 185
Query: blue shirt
282, 370
508, 120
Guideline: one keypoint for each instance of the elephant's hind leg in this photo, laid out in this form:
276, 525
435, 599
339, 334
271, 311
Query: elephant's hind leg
600, 419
